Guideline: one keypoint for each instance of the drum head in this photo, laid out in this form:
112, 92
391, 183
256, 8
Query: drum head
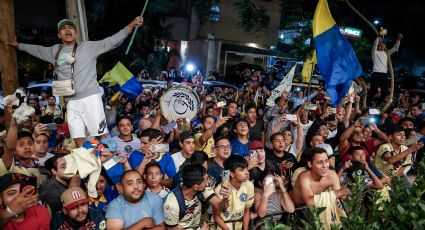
180, 102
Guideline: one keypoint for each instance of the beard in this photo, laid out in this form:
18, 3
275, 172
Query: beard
133, 198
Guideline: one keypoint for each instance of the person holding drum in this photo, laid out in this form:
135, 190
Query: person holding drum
76, 63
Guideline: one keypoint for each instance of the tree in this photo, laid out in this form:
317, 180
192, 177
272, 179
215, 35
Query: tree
252, 18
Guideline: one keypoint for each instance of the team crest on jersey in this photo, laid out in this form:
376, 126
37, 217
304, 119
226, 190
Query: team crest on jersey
226, 214
243, 197
128, 149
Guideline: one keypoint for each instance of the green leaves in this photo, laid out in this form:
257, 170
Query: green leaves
252, 18
404, 210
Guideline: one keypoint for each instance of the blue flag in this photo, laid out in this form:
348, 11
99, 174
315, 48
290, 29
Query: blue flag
336, 59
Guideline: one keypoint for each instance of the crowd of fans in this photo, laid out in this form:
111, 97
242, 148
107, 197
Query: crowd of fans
232, 167
110, 161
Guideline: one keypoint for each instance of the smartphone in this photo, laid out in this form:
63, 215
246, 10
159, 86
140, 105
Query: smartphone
291, 117
51, 127
225, 178
269, 181
374, 112
368, 120
160, 148
111, 162
253, 153
221, 104
333, 110
311, 107
29, 181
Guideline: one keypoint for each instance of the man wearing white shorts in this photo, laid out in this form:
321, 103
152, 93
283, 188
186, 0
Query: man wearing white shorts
77, 61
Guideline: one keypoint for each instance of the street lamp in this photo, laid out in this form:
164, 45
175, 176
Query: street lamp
376, 22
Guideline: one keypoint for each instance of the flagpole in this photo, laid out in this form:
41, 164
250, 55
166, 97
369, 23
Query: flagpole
135, 30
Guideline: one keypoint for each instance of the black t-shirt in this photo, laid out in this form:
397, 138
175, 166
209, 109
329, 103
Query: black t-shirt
254, 173
276, 160
255, 132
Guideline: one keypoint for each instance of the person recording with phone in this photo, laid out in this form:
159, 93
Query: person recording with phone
257, 162
353, 136
20, 208
236, 176
394, 158
270, 197
282, 160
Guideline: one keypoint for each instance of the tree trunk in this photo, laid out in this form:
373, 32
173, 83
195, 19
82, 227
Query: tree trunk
8, 61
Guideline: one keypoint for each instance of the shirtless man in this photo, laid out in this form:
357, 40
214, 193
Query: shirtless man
317, 181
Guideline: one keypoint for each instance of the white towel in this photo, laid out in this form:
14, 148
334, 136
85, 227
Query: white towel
80, 160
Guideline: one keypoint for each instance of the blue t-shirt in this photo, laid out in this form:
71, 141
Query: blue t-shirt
149, 206
165, 161
239, 148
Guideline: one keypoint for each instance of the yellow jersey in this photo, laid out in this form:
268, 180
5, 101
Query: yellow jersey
238, 201
207, 147
386, 168
193, 210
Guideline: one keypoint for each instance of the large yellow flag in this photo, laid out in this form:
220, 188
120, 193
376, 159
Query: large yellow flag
307, 67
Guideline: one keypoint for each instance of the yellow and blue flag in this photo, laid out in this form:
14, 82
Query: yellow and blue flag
336, 59
123, 80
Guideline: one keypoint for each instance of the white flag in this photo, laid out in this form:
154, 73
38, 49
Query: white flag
284, 85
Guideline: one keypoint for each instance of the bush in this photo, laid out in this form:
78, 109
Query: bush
404, 210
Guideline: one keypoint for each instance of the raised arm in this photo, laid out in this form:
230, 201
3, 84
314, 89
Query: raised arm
109, 43
11, 140
44, 53
396, 158
396, 45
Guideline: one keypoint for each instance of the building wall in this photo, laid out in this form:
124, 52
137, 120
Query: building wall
226, 28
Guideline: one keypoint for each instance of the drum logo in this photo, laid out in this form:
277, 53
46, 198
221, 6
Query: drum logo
182, 103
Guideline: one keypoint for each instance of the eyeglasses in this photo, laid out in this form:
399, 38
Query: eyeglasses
225, 147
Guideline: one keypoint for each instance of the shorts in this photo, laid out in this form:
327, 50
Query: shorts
86, 115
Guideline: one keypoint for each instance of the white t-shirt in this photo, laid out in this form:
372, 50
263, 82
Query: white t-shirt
127, 147
178, 159
42, 160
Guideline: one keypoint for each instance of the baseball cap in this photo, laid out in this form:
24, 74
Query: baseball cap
109, 144
254, 145
73, 197
64, 22
10, 179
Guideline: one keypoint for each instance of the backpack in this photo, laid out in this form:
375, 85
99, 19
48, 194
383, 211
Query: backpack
178, 193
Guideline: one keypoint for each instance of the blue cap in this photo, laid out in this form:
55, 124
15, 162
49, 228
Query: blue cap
109, 144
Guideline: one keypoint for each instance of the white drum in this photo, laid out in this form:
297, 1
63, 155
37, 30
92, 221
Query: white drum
180, 102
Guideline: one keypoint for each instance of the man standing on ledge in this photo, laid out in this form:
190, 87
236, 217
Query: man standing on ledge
78, 62
380, 68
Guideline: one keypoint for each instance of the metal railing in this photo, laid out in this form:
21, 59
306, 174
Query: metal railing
251, 222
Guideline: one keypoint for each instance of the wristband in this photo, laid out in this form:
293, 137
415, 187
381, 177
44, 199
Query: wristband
11, 212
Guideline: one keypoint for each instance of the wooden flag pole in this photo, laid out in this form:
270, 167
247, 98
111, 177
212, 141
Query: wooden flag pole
135, 30
390, 65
